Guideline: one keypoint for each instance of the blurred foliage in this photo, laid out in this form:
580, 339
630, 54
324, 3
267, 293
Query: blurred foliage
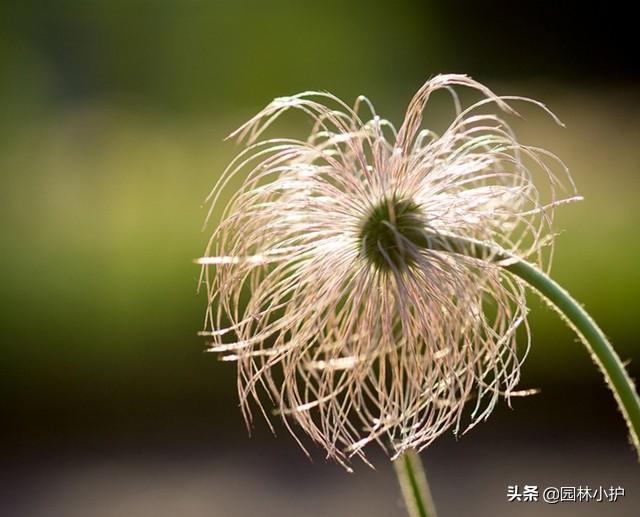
112, 137
197, 56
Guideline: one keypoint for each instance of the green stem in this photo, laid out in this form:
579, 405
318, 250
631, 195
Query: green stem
414, 486
593, 338
570, 310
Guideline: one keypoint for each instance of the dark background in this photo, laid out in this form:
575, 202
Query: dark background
112, 116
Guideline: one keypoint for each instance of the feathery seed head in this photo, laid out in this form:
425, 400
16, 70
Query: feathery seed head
323, 287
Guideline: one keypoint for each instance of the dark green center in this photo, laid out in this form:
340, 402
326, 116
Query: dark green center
392, 233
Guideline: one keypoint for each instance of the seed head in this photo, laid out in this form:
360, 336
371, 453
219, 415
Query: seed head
322, 285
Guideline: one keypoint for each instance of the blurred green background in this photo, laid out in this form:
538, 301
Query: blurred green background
113, 116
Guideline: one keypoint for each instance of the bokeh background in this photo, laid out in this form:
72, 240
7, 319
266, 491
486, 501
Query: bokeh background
112, 120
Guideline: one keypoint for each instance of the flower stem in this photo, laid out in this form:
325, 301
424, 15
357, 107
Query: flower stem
414, 486
570, 310
593, 338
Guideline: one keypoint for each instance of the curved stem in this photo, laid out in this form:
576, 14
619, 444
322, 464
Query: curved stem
594, 339
414, 486
570, 310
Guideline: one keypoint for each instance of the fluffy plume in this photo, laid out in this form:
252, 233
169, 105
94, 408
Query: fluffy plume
320, 287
